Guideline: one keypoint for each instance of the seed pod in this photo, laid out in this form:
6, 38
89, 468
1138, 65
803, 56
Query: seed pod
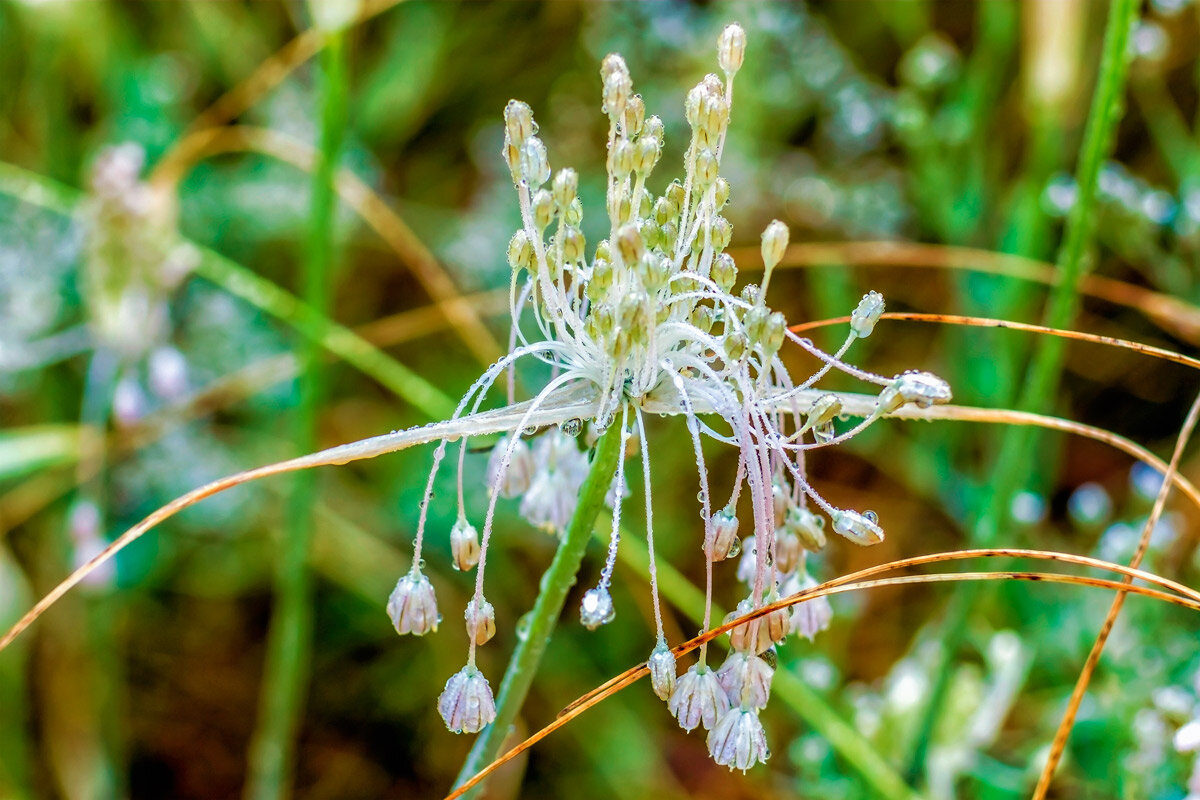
464, 545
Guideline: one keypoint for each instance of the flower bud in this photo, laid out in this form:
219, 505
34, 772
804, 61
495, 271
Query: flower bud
412, 605
481, 620
788, 550
630, 245
543, 208
706, 167
662, 670
515, 480
653, 127
866, 314
722, 233
738, 741
746, 680
720, 193
811, 616
731, 48
724, 272
535, 164
565, 188
572, 244
735, 346
617, 88
520, 251
823, 411
518, 122
723, 540
646, 154
676, 194
597, 608
466, 704
808, 527
634, 116
620, 158
781, 500
464, 545
698, 698
859, 528
774, 243
923, 389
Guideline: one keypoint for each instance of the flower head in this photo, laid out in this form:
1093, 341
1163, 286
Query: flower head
698, 698
738, 741
412, 605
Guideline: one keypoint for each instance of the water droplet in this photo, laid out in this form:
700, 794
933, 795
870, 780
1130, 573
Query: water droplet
871, 517
571, 427
735, 549
824, 433
421, 564
523, 625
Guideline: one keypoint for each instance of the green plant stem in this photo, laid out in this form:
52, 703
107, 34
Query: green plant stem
555, 584
1019, 443
285, 675
884, 781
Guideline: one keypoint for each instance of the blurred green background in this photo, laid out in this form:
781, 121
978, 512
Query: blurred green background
136, 363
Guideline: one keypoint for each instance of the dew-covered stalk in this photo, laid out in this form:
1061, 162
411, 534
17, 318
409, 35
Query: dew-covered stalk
285, 675
556, 582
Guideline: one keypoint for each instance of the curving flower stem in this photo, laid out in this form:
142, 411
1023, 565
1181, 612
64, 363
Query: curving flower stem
556, 582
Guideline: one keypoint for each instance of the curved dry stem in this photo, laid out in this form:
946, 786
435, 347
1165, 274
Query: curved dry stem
988, 322
1179, 317
567, 407
1059, 744
235, 102
861, 580
374, 211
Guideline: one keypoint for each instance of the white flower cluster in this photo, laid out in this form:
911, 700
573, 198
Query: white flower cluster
650, 323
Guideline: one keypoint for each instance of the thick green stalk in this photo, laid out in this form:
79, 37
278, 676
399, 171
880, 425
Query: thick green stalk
285, 675
1041, 378
555, 584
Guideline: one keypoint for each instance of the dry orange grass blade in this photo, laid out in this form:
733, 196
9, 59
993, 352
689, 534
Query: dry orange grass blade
1184, 596
1179, 317
988, 322
1059, 744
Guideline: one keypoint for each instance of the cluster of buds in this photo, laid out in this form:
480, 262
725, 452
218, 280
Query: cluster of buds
650, 323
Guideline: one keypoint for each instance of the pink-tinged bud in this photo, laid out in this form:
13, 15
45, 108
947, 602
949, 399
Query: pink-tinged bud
412, 605
698, 698
746, 680
738, 741
467, 705
464, 545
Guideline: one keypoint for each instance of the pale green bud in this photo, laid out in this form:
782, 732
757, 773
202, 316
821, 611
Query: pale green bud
866, 314
543, 208
731, 48
774, 243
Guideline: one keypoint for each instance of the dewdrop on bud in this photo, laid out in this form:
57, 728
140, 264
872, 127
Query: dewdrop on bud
731, 48
617, 88
698, 698
518, 121
481, 620
653, 126
774, 244
922, 389
466, 704
515, 480
596, 608
464, 545
412, 605
724, 542
535, 164
866, 314
738, 741
662, 670
611, 64
859, 528
746, 680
